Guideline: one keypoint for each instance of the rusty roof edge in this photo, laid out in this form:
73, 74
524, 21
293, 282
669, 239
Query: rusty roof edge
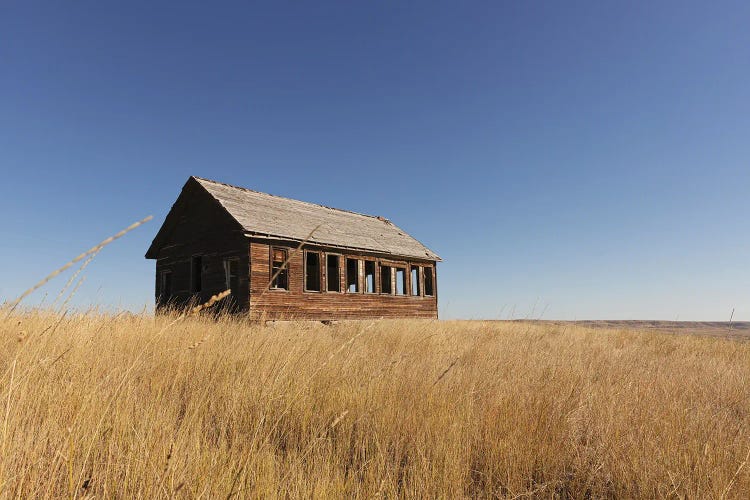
437, 257
432, 256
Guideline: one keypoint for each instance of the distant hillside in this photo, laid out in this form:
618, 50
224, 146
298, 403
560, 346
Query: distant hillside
739, 330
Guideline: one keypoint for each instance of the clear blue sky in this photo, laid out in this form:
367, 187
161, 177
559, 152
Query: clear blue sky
566, 159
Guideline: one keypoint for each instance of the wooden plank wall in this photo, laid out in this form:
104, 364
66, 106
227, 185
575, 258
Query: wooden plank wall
296, 303
203, 229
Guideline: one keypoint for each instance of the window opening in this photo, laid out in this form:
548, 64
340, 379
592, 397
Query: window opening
400, 281
428, 286
333, 276
370, 276
385, 279
312, 271
196, 266
231, 274
415, 280
165, 286
352, 275
279, 271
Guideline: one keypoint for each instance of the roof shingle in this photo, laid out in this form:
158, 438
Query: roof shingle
266, 214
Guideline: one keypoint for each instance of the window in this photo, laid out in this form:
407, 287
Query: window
385, 279
196, 271
428, 287
279, 272
415, 280
165, 285
400, 281
352, 275
333, 276
369, 276
312, 271
231, 274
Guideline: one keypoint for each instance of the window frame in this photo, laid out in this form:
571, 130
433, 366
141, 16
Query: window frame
227, 264
404, 288
425, 269
285, 267
374, 276
338, 257
304, 271
162, 282
412, 268
358, 284
382, 265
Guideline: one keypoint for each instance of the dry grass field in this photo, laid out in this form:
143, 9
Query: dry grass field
137, 406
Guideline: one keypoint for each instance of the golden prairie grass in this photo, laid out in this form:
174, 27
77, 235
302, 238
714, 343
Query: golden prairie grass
141, 406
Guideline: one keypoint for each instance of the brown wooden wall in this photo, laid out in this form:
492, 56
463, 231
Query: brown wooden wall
296, 303
200, 227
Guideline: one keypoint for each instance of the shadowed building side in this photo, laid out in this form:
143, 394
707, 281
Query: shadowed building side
349, 266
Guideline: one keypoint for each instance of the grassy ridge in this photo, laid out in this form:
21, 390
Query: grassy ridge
136, 406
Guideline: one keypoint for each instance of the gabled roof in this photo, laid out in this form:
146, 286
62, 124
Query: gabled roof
268, 215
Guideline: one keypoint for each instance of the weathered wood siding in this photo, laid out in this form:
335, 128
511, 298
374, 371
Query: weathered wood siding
211, 222
201, 227
296, 303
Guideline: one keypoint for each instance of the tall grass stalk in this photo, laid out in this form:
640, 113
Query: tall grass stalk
200, 406
91, 251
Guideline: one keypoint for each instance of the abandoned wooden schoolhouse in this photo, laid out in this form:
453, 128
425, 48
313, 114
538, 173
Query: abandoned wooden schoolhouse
289, 259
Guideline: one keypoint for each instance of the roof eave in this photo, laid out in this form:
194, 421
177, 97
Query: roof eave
432, 257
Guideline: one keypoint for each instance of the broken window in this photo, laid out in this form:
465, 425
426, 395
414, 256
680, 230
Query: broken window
312, 271
428, 286
352, 275
165, 285
279, 271
369, 276
385, 279
333, 276
231, 274
415, 280
196, 272
400, 281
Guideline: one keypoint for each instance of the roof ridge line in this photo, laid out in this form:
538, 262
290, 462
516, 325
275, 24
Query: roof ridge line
379, 217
